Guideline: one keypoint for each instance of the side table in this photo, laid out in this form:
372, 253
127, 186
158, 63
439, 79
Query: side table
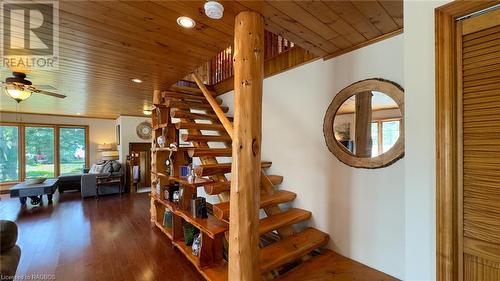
108, 180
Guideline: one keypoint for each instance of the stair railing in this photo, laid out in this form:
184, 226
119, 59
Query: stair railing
215, 106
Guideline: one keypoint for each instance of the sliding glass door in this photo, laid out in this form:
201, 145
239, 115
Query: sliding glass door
72, 148
39, 151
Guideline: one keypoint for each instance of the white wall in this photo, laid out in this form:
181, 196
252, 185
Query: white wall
100, 130
420, 175
128, 134
362, 210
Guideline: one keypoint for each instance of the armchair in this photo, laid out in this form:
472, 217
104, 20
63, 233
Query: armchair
100, 169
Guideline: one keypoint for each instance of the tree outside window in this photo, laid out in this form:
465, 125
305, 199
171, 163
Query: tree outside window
9, 153
39, 152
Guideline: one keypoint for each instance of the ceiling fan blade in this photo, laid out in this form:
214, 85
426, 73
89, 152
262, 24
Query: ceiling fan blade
50, 94
45, 87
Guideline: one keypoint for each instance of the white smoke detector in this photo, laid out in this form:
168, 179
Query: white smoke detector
214, 10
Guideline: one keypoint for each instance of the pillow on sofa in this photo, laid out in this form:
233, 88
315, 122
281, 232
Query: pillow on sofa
97, 168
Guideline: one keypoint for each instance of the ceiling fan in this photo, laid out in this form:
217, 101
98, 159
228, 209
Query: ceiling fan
19, 88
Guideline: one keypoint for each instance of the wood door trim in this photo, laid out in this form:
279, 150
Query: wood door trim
447, 201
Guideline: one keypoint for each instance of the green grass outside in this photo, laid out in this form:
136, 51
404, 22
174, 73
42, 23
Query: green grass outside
47, 170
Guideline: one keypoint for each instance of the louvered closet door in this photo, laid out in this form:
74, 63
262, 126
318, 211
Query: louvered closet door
479, 56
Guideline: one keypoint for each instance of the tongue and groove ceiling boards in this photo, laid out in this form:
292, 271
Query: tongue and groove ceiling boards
103, 44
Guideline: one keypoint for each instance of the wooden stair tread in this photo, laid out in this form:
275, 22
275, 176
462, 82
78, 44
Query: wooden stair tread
217, 187
218, 152
220, 168
187, 97
199, 126
275, 179
192, 105
220, 187
185, 89
205, 138
221, 210
191, 115
330, 266
291, 248
285, 218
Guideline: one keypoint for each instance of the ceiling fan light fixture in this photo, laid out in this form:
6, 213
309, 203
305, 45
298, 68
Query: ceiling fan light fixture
17, 92
186, 22
214, 10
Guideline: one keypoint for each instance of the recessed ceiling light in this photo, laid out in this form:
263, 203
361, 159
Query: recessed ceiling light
186, 22
136, 80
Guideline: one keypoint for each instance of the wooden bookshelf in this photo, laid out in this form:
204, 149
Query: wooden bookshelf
210, 262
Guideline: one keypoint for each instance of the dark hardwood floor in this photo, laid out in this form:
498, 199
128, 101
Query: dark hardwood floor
84, 239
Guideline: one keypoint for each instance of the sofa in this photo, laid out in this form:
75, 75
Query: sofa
10, 253
101, 169
69, 182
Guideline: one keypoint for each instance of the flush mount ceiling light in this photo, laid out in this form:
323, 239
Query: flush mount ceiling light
136, 80
214, 10
186, 22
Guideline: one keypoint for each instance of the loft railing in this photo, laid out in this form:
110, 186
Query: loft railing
220, 67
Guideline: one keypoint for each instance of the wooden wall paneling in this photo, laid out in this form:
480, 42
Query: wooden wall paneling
321, 11
166, 16
104, 44
353, 16
276, 20
363, 44
394, 9
280, 63
377, 15
123, 16
194, 10
296, 12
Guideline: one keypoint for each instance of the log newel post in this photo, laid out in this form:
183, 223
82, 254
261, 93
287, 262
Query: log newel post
244, 252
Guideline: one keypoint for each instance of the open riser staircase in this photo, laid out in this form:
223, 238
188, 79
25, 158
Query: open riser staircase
211, 141
287, 251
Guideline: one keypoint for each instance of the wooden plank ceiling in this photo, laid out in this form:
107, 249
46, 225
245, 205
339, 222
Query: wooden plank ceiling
103, 44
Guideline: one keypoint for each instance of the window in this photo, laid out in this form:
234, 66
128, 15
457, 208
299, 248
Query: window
71, 150
39, 152
9, 153
385, 133
49, 151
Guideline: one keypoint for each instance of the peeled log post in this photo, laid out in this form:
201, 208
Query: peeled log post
363, 124
248, 61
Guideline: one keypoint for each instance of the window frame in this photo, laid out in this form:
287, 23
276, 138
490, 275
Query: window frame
21, 146
380, 122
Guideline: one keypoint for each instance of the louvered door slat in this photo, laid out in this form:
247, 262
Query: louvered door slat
480, 88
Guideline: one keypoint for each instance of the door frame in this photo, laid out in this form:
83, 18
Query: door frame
448, 191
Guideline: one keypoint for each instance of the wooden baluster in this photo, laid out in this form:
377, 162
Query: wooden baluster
244, 252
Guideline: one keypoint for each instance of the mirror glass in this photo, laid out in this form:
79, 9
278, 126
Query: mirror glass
368, 124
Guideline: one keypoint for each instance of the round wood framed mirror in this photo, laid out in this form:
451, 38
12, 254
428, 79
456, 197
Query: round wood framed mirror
364, 124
